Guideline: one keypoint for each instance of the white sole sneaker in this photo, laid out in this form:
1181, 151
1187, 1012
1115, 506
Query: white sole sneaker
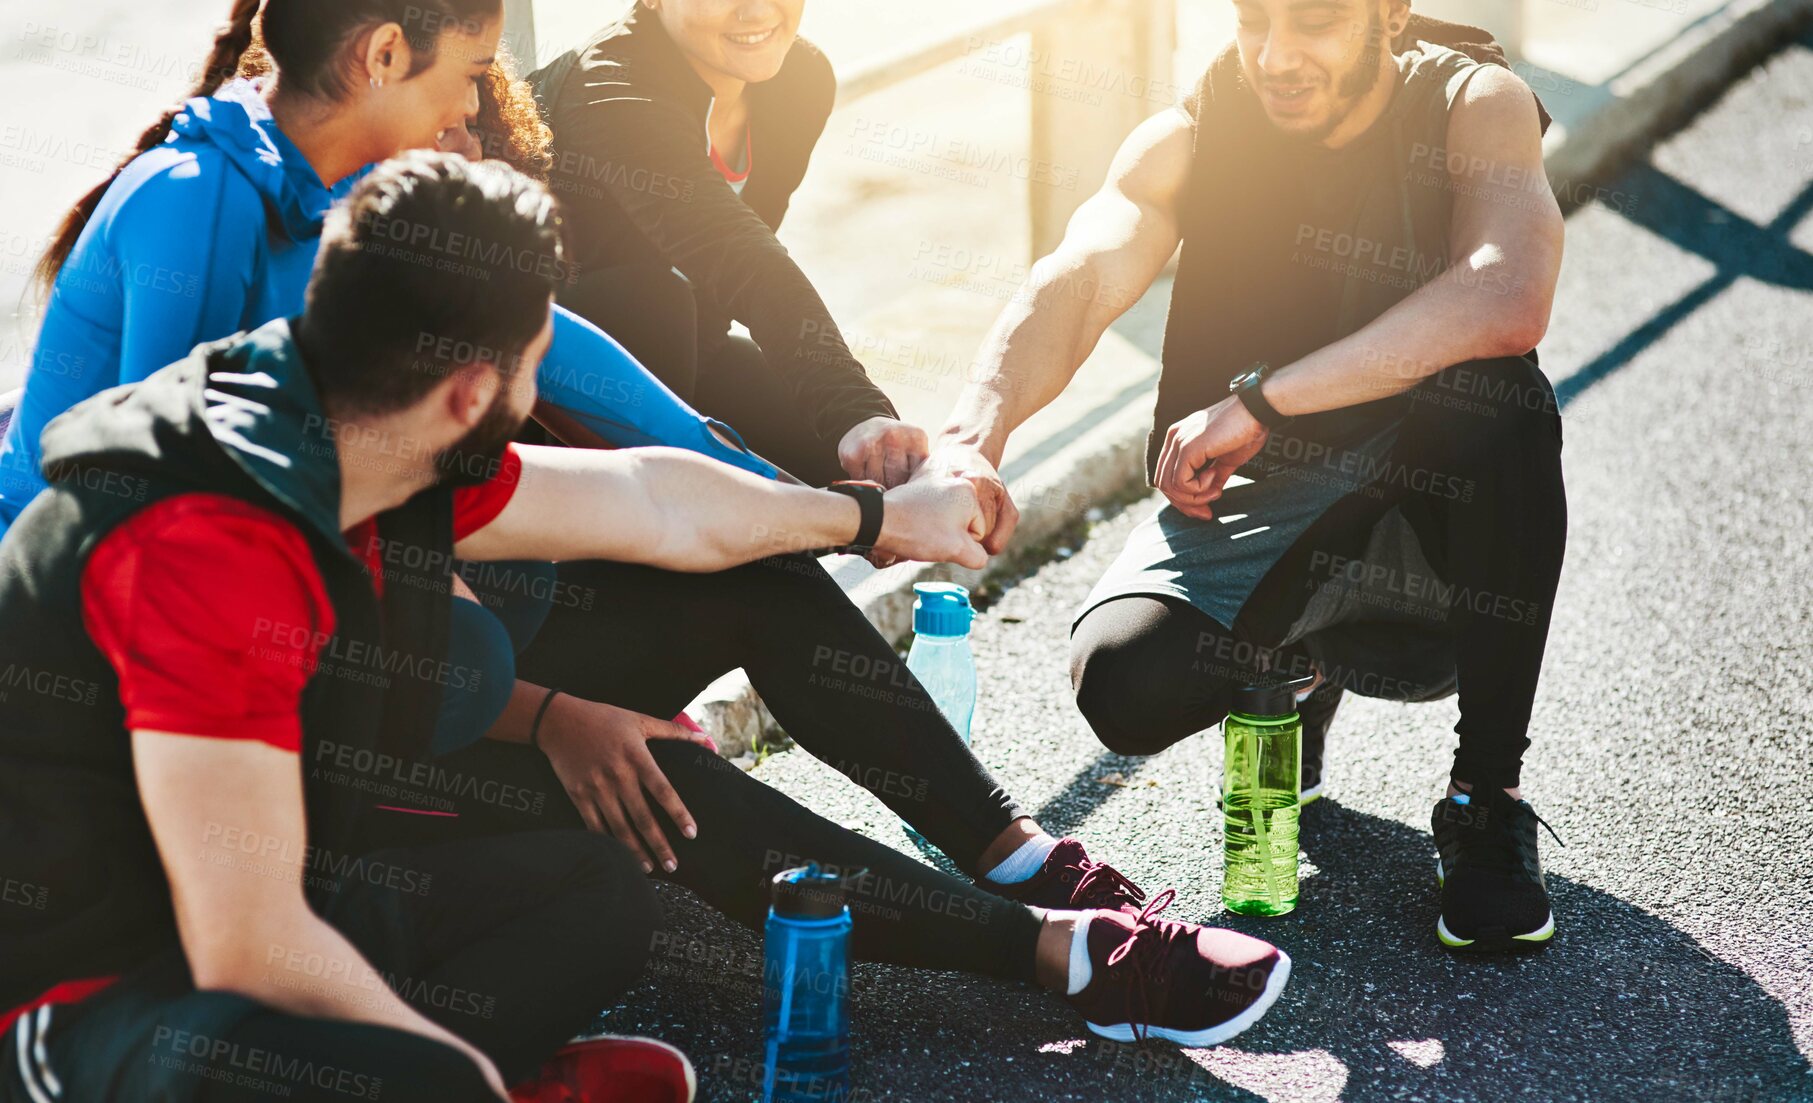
1213, 1035
1456, 942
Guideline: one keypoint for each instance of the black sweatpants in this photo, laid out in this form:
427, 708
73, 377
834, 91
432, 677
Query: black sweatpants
514, 943
652, 312
1476, 472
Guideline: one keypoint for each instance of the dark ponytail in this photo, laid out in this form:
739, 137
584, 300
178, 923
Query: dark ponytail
223, 62
306, 42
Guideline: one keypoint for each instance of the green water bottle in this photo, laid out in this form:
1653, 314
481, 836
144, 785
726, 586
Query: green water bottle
1264, 745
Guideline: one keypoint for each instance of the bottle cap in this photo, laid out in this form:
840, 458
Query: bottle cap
1266, 700
941, 609
807, 892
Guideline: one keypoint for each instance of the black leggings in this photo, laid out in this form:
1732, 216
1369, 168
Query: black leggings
650, 640
905, 912
1479, 457
651, 311
513, 943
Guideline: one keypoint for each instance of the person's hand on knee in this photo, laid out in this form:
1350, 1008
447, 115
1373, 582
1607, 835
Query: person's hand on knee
600, 753
1202, 451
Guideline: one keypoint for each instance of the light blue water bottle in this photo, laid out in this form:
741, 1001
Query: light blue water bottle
941, 659
806, 989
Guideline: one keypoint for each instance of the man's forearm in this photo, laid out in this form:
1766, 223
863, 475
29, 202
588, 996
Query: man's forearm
659, 506
1468, 313
1030, 355
715, 517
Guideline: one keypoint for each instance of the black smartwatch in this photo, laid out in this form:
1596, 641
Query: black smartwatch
868, 497
1246, 386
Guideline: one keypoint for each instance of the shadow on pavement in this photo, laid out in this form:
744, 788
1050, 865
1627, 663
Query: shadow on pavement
1622, 1005
1737, 246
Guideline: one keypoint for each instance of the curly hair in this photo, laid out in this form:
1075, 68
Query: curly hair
509, 127
509, 124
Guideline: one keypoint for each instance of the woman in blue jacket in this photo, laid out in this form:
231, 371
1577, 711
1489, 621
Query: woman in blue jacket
211, 226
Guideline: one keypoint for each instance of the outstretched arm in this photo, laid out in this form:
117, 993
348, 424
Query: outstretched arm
1115, 246
673, 509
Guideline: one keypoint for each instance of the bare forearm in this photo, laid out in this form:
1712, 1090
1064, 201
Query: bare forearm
514, 723
1032, 352
714, 517
1468, 313
295, 962
660, 506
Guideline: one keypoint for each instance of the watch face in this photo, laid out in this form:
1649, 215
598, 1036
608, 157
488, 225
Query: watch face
1241, 380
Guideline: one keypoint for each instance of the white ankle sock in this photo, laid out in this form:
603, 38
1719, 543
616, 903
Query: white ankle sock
1023, 863
1080, 969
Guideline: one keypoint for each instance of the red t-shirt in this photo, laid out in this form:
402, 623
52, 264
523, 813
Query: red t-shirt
212, 613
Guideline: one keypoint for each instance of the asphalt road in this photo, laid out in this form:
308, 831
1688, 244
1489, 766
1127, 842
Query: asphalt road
1672, 734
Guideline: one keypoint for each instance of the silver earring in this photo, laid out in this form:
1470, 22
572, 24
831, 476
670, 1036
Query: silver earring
376, 84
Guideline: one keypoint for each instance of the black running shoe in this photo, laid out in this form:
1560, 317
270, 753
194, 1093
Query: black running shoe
1317, 712
1493, 893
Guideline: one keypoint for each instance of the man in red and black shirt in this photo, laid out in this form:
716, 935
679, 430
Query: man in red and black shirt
226, 631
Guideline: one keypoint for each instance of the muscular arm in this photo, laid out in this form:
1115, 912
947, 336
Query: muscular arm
677, 510
1115, 246
1494, 297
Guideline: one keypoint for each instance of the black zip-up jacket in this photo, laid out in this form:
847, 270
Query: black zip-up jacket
636, 183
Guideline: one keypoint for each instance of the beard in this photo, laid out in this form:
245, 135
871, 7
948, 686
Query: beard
476, 457
1351, 87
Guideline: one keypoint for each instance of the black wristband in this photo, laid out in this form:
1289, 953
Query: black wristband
1247, 389
868, 497
535, 727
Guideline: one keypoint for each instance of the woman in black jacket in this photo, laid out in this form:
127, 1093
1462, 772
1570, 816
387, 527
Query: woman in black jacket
681, 132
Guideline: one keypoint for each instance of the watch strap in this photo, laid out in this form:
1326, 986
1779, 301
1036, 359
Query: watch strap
869, 500
1253, 398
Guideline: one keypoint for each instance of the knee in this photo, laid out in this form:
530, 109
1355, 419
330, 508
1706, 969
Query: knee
1133, 700
606, 882
481, 674
519, 594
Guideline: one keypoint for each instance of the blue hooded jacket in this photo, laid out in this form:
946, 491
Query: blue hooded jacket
214, 232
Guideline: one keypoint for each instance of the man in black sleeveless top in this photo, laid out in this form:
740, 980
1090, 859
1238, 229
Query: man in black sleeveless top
1360, 455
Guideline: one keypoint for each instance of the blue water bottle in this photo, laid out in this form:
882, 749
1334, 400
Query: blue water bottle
806, 989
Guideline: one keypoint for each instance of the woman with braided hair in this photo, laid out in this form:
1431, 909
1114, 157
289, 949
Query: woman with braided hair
211, 224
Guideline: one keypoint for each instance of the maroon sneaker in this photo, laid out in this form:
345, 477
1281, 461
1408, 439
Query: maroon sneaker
1070, 881
1160, 978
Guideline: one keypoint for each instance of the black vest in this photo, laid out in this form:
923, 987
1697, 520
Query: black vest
1289, 247
239, 417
